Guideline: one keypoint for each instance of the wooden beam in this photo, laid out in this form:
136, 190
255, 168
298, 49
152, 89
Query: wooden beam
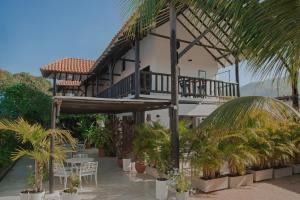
186, 28
186, 41
114, 74
215, 23
174, 89
189, 46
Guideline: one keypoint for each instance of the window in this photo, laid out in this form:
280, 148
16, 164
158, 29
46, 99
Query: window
201, 74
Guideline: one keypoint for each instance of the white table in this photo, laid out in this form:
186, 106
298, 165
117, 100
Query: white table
79, 160
76, 162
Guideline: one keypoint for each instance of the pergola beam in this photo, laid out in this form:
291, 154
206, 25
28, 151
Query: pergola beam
190, 32
186, 41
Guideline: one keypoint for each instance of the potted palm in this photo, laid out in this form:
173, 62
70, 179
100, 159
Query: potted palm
161, 157
182, 186
87, 129
284, 150
143, 145
71, 193
238, 155
101, 137
38, 140
207, 158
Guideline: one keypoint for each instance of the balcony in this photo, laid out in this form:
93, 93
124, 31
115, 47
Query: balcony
160, 83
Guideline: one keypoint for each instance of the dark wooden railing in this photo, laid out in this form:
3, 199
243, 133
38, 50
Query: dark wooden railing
154, 82
120, 89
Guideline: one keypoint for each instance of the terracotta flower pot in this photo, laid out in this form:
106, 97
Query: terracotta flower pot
101, 152
120, 162
140, 167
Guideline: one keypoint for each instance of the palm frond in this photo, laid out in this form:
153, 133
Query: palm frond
244, 110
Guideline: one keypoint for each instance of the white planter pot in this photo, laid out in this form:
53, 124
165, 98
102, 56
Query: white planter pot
283, 172
32, 196
238, 181
210, 185
126, 165
182, 196
261, 175
296, 169
161, 189
69, 196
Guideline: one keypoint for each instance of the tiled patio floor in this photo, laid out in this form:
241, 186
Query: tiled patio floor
114, 184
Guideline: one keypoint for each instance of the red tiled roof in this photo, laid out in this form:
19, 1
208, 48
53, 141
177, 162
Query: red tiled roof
68, 65
68, 83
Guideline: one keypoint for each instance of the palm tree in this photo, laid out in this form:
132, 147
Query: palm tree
265, 33
39, 140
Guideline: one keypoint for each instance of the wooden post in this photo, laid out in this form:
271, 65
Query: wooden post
97, 83
139, 116
93, 86
237, 76
111, 80
53, 125
85, 90
174, 90
137, 65
54, 85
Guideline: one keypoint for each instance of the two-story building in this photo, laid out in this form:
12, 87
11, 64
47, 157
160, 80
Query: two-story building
139, 67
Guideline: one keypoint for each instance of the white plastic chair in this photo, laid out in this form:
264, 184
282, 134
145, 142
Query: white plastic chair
88, 169
60, 171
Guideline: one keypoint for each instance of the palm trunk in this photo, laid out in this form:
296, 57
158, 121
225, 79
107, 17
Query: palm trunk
38, 176
295, 95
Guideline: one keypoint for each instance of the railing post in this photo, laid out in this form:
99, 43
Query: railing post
237, 76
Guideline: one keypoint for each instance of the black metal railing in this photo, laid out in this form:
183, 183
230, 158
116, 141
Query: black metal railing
154, 82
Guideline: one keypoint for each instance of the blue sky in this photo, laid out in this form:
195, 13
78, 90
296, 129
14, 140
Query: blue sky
36, 32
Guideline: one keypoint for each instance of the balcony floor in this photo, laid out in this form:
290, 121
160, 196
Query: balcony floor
114, 184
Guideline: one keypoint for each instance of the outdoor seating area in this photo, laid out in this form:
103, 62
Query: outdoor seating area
79, 164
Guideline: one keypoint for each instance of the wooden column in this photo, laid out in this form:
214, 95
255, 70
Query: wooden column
174, 90
237, 76
111, 80
85, 90
93, 87
139, 116
97, 83
54, 86
137, 89
53, 126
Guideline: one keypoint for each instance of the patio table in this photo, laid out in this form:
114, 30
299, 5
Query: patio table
75, 162
79, 160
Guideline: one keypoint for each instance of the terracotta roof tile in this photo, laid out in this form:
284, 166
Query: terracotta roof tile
68, 65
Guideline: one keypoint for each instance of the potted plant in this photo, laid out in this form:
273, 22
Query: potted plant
127, 130
161, 158
38, 140
71, 193
101, 137
206, 156
143, 145
284, 150
87, 128
182, 186
238, 155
